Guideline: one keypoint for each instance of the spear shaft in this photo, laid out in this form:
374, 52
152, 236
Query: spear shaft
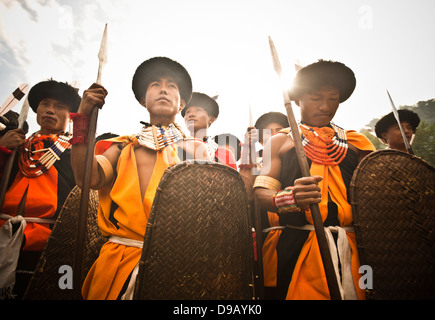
85, 191
9, 164
331, 277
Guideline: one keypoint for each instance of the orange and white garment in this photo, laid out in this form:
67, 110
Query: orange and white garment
308, 280
123, 213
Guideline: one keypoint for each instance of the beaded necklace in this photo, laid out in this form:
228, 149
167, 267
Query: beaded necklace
211, 147
327, 145
157, 137
33, 162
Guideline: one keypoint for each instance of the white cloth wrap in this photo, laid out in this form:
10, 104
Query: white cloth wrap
128, 295
10, 244
346, 285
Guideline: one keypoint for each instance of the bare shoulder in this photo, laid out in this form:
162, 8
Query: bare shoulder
283, 142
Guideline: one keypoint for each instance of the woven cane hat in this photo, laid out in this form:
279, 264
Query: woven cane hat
202, 100
157, 67
324, 73
61, 91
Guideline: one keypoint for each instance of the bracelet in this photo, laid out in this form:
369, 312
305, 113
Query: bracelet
80, 128
284, 201
5, 150
267, 183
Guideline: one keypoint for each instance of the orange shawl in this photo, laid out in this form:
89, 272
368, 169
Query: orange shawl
115, 262
306, 282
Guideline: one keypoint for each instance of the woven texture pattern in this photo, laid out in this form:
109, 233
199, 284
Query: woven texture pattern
198, 243
393, 201
60, 248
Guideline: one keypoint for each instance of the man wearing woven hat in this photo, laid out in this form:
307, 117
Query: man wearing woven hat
388, 131
201, 111
128, 169
41, 179
294, 264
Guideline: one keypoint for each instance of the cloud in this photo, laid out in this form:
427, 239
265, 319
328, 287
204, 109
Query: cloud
32, 13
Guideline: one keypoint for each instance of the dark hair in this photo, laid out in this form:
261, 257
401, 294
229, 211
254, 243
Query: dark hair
388, 120
229, 139
10, 121
268, 118
202, 100
157, 67
323, 73
61, 91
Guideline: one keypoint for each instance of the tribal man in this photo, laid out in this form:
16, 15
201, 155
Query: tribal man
293, 260
127, 170
388, 131
42, 177
199, 114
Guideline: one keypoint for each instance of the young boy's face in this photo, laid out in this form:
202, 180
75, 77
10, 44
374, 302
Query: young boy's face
197, 118
163, 97
393, 136
52, 115
318, 107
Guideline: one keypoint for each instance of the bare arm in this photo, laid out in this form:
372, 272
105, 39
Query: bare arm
92, 97
271, 168
306, 190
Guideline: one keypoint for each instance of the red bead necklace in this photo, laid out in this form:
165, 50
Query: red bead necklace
326, 145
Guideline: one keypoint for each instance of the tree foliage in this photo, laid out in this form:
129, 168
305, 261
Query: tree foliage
424, 142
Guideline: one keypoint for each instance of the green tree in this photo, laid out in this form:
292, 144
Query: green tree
373, 139
424, 142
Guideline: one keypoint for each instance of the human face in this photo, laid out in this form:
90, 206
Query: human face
162, 99
197, 118
270, 130
393, 136
52, 115
319, 107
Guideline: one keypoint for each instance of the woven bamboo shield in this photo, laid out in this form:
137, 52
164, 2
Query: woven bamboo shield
60, 248
393, 202
198, 242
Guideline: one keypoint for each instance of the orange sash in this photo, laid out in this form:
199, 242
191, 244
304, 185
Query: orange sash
270, 258
115, 262
309, 279
41, 200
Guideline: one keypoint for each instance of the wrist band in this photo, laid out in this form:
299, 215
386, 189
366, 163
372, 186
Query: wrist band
267, 183
284, 201
80, 128
5, 150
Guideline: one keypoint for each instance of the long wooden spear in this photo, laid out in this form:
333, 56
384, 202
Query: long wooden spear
9, 103
84, 197
331, 277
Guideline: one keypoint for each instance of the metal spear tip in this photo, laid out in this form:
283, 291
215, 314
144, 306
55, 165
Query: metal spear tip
276, 63
102, 54
23, 113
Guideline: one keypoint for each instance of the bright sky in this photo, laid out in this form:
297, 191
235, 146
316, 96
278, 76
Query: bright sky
389, 44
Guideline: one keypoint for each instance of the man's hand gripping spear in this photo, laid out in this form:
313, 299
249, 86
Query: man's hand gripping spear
315, 211
92, 100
